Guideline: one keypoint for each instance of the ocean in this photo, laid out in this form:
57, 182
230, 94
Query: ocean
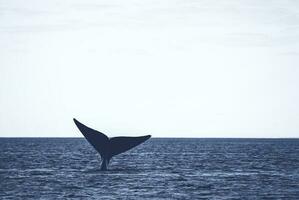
160, 168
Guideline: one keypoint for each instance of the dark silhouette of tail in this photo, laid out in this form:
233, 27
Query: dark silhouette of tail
109, 147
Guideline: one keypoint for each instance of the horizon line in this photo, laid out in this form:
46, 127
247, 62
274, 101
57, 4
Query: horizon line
62, 137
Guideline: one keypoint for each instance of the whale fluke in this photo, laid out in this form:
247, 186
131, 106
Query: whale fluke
109, 147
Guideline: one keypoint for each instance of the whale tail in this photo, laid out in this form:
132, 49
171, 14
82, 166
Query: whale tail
109, 147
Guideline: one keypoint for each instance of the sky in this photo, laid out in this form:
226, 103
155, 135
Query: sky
169, 68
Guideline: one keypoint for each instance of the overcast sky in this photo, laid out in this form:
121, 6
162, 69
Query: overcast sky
170, 68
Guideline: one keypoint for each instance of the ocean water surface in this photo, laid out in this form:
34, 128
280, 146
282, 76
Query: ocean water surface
60, 168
